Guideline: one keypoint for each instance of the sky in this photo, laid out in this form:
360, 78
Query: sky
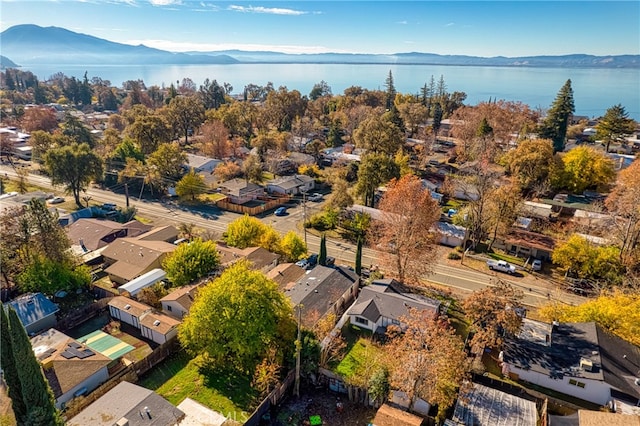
477, 28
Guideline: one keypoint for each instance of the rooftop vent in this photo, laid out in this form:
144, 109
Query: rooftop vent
586, 364
156, 323
127, 306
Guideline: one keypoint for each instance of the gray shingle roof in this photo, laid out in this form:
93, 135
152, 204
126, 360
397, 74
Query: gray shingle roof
129, 401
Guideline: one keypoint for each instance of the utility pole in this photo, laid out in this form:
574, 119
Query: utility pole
296, 389
304, 215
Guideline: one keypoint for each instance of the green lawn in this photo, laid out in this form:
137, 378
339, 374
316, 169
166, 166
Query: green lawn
179, 377
362, 357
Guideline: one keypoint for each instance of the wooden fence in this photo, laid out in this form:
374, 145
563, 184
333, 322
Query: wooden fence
269, 203
81, 315
271, 400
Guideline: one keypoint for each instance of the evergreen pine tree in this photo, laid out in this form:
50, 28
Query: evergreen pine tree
9, 369
359, 256
322, 256
391, 91
555, 125
36, 394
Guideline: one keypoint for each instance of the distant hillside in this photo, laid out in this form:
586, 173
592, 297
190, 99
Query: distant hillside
564, 61
34, 45
31, 44
7, 63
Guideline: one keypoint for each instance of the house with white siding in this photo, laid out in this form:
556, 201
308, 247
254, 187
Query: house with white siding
578, 359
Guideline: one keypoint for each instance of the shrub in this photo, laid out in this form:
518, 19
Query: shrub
454, 256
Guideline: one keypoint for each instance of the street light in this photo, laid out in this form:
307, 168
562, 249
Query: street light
304, 216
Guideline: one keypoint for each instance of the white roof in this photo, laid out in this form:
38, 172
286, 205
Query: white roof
144, 280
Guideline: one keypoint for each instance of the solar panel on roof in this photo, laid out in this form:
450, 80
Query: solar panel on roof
67, 355
75, 345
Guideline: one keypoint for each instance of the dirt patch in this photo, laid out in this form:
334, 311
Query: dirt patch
320, 402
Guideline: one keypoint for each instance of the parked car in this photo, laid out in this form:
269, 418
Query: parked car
309, 262
281, 211
56, 200
536, 265
501, 266
316, 197
109, 206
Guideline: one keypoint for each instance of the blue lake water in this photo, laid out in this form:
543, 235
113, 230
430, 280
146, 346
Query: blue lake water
594, 90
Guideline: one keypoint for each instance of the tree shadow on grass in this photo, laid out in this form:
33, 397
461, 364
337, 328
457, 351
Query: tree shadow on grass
229, 382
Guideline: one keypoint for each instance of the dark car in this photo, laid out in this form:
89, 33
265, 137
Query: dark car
281, 211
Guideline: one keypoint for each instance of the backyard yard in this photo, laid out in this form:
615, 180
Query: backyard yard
363, 356
179, 377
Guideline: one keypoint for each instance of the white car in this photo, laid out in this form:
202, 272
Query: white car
316, 197
56, 200
536, 265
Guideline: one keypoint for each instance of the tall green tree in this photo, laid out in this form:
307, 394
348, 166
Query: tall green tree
379, 135
555, 125
185, 113
374, 170
168, 161
36, 394
10, 369
237, 319
390, 92
191, 261
247, 231
359, 256
322, 256
615, 126
74, 166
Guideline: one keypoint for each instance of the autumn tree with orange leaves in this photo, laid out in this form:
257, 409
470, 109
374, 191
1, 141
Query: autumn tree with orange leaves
624, 202
405, 232
433, 364
493, 311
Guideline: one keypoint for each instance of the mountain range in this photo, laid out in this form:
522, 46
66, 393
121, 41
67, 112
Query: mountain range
34, 45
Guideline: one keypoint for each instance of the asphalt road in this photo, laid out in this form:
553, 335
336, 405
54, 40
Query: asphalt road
460, 279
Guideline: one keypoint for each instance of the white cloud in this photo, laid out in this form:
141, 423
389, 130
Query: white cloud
165, 2
267, 10
450, 24
173, 46
402, 22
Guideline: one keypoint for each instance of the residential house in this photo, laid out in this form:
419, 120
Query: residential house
526, 244
201, 164
261, 259
536, 210
35, 311
133, 287
578, 359
484, 406
595, 418
130, 405
92, 234
291, 185
178, 303
128, 258
388, 415
154, 326
285, 274
381, 304
72, 369
321, 291
240, 191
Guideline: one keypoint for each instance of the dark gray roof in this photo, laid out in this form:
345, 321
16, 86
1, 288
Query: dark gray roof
129, 401
381, 298
33, 307
620, 364
485, 406
319, 289
570, 343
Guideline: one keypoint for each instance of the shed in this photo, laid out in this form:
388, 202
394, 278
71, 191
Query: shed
391, 416
134, 286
